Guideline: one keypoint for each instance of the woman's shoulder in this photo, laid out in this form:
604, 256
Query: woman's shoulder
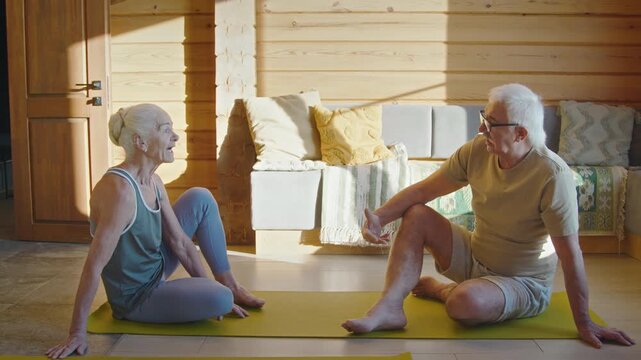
114, 197
113, 187
113, 181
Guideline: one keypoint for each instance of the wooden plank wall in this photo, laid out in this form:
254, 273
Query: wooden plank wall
449, 51
162, 52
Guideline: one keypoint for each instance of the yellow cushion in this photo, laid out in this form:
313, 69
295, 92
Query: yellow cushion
351, 136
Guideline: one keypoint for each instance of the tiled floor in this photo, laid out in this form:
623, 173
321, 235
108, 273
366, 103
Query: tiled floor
38, 283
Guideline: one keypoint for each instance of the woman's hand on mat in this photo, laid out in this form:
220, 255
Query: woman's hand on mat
372, 229
75, 342
594, 335
238, 311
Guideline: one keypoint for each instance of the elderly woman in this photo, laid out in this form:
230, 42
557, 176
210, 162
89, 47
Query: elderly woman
139, 239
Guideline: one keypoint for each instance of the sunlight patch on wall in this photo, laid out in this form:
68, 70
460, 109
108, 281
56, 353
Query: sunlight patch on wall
172, 171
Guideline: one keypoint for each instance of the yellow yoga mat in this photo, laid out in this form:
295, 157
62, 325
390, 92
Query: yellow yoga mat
403, 356
319, 314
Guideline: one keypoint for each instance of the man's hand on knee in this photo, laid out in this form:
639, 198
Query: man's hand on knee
372, 229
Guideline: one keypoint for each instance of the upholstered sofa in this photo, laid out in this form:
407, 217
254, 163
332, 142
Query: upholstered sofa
291, 200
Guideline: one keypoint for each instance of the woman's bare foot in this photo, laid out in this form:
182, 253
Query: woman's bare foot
430, 288
379, 317
243, 297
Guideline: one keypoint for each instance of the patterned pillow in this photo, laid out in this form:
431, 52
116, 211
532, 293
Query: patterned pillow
351, 136
594, 134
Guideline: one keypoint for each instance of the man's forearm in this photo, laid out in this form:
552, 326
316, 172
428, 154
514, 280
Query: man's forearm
395, 207
435, 185
577, 289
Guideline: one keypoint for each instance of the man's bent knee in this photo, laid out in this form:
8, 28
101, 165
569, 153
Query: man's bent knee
436, 229
421, 217
418, 212
471, 308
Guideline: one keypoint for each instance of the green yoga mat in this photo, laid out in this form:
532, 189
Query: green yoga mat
403, 356
319, 314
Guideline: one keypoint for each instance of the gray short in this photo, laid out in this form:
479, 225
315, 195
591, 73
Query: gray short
524, 296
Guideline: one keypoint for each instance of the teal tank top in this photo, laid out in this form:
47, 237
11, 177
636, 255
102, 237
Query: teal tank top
136, 266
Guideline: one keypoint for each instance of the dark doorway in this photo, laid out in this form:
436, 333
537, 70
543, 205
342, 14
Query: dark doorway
4, 82
5, 126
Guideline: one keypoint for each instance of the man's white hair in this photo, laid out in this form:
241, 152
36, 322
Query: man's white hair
524, 107
141, 119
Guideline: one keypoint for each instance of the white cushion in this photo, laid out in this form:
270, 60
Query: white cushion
410, 124
285, 200
283, 128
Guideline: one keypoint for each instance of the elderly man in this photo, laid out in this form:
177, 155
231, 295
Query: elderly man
525, 206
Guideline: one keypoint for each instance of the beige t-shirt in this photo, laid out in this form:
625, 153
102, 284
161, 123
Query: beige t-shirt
515, 209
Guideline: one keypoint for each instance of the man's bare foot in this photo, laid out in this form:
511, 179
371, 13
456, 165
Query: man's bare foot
430, 288
243, 297
379, 317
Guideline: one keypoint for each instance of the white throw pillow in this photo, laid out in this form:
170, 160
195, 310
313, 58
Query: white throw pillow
594, 134
283, 127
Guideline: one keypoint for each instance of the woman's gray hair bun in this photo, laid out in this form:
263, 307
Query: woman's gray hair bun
116, 125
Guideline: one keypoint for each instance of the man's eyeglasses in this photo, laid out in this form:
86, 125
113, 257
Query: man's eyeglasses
489, 125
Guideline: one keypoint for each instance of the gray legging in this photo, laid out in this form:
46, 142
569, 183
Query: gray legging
194, 298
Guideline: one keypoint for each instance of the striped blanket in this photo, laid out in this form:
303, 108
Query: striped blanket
348, 190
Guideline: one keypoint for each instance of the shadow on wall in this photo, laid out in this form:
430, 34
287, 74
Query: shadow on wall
235, 160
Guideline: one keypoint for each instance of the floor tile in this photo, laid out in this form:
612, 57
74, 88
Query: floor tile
224, 346
44, 323
55, 291
16, 288
101, 344
433, 357
31, 347
38, 265
151, 345
595, 355
12, 247
475, 346
98, 345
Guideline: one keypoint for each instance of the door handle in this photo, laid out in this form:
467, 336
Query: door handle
95, 85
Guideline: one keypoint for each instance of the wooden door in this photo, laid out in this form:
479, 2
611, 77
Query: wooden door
59, 130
